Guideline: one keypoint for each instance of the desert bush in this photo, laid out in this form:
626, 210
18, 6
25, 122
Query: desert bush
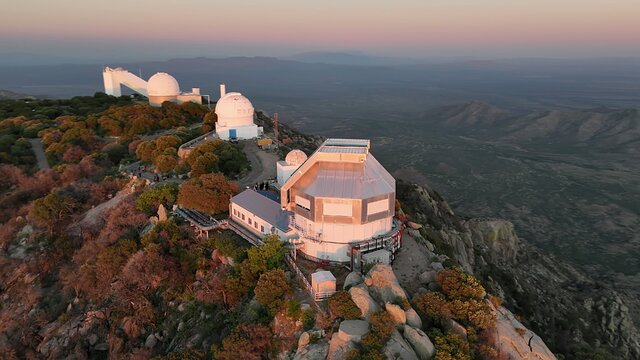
433, 305
456, 283
341, 305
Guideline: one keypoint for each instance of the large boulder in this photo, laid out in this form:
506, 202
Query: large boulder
396, 312
353, 279
413, 319
339, 348
353, 330
364, 301
383, 284
420, 342
398, 348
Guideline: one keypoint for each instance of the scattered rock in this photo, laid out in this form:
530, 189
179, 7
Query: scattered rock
413, 319
429, 245
317, 351
398, 348
396, 313
457, 328
420, 342
427, 277
151, 341
353, 330
102, 347
434, 286
437, 266
414, 226
352, 279
363, 301
162, 213
304, 340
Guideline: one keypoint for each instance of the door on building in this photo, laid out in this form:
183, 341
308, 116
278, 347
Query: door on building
232, 133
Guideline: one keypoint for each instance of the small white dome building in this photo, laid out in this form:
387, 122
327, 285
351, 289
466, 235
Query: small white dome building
295, 157
162, 87
291, 163
235, 116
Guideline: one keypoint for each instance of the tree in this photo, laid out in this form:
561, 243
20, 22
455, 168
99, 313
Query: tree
271, 290
209, 193
152, 197
52, 210
217, 155
266, 257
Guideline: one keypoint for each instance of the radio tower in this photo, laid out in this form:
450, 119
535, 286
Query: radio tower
275, 127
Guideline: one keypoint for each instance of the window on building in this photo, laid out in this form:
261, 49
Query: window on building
242, 217
262, 228
255, 225
249, 221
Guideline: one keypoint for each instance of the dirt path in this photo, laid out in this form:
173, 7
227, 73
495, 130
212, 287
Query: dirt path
38, 150
263, 164
412, 260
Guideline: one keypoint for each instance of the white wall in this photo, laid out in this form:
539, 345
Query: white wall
242, 133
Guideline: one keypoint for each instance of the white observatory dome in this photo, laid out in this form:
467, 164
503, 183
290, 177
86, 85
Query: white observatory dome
295, 157
233, 109
162, 84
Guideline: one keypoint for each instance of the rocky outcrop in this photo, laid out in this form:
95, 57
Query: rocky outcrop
420, 342
498, 235
383, 284
516, 341
364, 301
398, 348
568, 308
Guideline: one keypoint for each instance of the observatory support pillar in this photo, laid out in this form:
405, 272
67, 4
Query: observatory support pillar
111, 84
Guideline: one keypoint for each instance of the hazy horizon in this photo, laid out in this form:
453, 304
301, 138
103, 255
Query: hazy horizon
68, 31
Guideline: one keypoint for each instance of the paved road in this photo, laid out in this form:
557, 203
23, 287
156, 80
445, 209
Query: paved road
263, 164
38, 150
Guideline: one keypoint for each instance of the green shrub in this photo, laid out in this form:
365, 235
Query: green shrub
341, 305
308, 319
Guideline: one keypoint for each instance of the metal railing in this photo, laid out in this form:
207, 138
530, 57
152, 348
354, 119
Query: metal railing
317, 296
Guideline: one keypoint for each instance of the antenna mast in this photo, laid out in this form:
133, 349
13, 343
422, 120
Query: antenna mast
275, 127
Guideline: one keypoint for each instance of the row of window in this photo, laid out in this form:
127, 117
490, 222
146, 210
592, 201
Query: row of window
250, 222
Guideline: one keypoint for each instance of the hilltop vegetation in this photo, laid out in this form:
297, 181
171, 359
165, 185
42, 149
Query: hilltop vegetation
76, 243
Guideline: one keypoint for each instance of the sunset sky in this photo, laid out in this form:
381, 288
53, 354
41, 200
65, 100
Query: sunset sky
411, 28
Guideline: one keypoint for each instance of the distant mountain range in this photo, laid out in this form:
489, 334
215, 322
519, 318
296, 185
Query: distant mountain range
618, 130
10, 95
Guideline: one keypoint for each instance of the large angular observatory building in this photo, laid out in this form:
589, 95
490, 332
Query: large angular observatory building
340, 202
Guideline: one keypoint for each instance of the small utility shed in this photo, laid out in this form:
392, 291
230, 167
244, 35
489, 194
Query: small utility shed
323, 282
